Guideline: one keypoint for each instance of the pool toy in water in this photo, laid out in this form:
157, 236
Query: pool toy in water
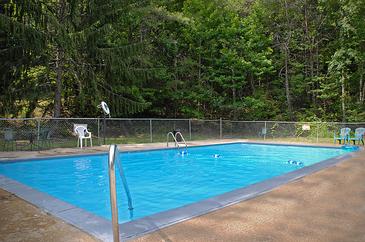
294, 162
350, 147
184, 152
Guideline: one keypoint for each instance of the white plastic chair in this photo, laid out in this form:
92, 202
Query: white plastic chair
83, 134
77, 125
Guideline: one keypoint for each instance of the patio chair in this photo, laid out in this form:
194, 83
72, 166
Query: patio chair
83, 134
263, 132
77, 125
44, 138
359, 136
344, 135
9, 140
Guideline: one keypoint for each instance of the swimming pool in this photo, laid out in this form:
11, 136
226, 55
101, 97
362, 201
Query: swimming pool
162, 180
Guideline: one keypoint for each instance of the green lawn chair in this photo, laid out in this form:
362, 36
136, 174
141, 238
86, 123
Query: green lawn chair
359, 136
44, 139
9, 140
344, 135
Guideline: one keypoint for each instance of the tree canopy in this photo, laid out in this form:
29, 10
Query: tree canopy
236, 59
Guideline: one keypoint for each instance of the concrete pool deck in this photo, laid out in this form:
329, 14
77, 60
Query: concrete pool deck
326, 206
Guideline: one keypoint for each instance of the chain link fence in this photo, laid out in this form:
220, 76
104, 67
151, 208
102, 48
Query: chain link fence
47, 133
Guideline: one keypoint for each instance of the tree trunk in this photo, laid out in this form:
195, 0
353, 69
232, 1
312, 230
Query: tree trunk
287, 56
287, 87
175, 72
58, 91
363, 92
360, 90
343, 97
59, 65
316, 82
252, 82
200, 61
31, 107
361, 86
234, 87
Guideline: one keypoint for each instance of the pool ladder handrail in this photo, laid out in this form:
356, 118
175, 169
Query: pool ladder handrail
175, 139
113, 192
124, 182
113, 156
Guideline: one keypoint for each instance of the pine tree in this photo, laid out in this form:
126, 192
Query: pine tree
77, 44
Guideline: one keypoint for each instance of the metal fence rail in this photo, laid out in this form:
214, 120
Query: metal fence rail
46, 133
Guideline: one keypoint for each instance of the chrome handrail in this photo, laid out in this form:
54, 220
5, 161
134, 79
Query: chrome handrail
113, 191
175, 139
173, 136
182, 137
125, 184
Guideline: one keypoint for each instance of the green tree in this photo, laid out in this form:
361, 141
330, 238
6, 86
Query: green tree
80, 48
347, 61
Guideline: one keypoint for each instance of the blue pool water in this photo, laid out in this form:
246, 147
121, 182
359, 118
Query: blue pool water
163, 179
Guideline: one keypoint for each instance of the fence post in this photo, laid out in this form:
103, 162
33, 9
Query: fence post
220, 129
151, 138
38, 128
104, 129
190, 128
98, 128
317, 132
265, 130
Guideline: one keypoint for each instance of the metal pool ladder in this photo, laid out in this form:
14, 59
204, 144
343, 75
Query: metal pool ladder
113, 158
175, 136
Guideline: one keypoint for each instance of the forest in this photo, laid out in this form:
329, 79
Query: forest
294, 60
